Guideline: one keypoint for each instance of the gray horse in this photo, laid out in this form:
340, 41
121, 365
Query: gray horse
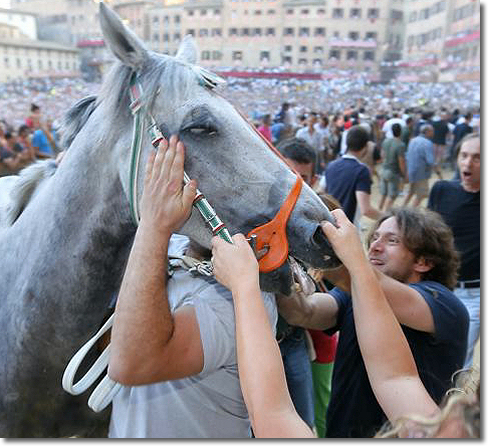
62, 255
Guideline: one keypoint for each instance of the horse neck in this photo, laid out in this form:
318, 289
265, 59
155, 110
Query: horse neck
78, 235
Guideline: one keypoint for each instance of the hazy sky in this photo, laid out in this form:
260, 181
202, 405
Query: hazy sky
4, 3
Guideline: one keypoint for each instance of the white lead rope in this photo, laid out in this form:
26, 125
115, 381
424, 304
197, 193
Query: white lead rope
103, 394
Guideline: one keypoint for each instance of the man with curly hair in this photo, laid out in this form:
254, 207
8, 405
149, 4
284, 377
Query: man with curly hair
416, 263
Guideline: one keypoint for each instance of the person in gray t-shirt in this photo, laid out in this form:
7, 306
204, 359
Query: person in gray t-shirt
173, 340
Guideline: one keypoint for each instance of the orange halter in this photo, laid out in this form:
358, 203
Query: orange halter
273, 234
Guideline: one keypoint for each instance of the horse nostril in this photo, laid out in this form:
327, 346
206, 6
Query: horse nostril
320, 240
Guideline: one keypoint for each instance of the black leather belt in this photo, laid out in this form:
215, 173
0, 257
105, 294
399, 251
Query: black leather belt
468, 284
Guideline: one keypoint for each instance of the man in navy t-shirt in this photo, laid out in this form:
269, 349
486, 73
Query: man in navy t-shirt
348, 180
416, 263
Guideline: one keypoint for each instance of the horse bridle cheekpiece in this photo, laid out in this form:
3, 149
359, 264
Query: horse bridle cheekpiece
271, 235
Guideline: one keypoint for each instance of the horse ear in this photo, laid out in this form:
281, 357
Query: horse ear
187, 51
125, 45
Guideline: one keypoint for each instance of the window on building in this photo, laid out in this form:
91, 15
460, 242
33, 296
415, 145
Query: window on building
271, 12
155, 19
302, 61
156, 37
288, 48
410, 40
368, 55
319, 32
335, 54
303, 49
352, 55
203, 12
216, 55
245, 32
60, 66
353, 35
318, 50
177, 19
286, 60
216, 32
258, 12
317, 62
236, 55
320, 11
176, 36
205, 55
413, 16
39, 64
304, 12
270, 31
257, 31
304, 32
288, 31
336, 34
191, 32
203, 32
373, 13
232, 31
338, 13
66, 66
395, 14
191, 12
290, 11
355, 13
264, 56
216, 11
19, 63
371, 35
165, 37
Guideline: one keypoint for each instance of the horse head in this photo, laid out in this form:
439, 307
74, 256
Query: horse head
241, 177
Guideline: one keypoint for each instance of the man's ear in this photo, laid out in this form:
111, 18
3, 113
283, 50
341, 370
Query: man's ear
422, 265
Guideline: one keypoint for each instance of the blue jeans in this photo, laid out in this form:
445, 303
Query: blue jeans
298, 373
470, 297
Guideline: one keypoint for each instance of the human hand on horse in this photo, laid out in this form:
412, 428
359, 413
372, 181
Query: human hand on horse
345, 240
166, 203
234, 264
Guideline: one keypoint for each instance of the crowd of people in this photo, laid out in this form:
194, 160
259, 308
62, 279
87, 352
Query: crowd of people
376, 340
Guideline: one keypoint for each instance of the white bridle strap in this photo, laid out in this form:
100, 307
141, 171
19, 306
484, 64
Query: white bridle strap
106, 388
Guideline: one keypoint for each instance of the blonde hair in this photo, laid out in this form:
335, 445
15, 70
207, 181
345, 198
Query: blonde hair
461, 402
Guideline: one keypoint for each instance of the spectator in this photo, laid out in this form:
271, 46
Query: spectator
407, 131
12, 156
311, 136
394, 168
460, 131
458, 202
348, 180
43, 140
265, 128
413, 256
420, 160
395, 119
441, 130
32, 121
24, 140
292, 340
333, 141
173, 341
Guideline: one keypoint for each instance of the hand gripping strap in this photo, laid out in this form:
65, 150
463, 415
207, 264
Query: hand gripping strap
273, 234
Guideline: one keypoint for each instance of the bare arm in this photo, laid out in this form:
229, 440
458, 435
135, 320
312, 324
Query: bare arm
150, 344
403, 166
364, 202
261, 370
389, 362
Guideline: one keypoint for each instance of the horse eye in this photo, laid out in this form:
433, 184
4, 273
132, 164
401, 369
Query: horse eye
202, 131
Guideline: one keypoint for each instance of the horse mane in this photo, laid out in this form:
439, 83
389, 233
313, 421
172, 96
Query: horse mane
75, 119
23, 188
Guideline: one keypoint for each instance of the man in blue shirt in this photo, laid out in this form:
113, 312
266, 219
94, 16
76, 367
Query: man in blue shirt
43, 140
348, 179
420, 161
414, 258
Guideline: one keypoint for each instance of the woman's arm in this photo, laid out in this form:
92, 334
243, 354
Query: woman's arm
261, 370
387, 356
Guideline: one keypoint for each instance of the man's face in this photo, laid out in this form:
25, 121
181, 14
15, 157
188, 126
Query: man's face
469, 164
389, 255
304, 169
312, 119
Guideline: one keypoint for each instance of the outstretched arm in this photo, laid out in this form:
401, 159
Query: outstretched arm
261, 370
146, 337
389, 362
